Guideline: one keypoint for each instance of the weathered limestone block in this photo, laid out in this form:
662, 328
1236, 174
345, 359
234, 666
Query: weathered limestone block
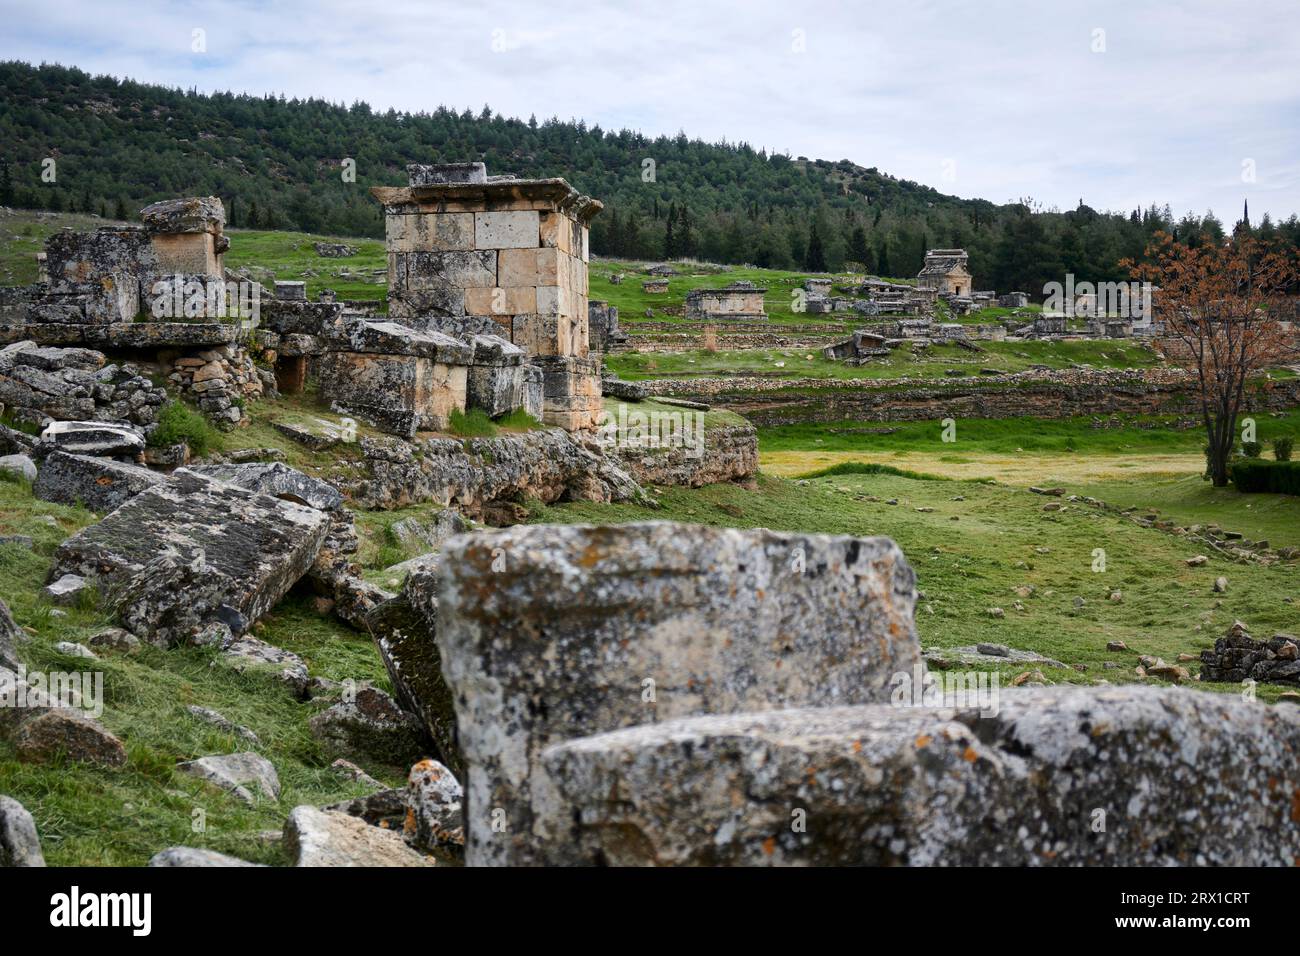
403, 630
729, 453
399, 394
476, 269
548, 633
91, 438
235, 553
549, 465
101, 484
1183, 778
506, 230
315, 837
192, 214
238, 774
571, 392
278, 480
430, 174
534, 391
371, 726
430, 232
496, 379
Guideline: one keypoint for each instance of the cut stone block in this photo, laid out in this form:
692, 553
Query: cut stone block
506, 230
1175, 777
192, 550
92, 438
398, 394
548, 633
101, 484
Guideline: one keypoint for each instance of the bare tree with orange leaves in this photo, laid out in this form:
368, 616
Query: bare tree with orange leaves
1225, 313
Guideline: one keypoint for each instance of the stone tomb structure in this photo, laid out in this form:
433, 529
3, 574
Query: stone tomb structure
472, 254
945, 271
740, 301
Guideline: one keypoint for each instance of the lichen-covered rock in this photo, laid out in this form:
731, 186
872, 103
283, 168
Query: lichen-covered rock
548, 465
190, 214
91, 438
383, 808
19, 465
724, 453
549, 632
435, 822
222, 723
238, 774
277, 480
59, 733
194, 856
370, 725
101, 484
231, 554
10, 637
429, 534
1237, 657
404, 629
315, 837
20, 845
1062, 776
249, 653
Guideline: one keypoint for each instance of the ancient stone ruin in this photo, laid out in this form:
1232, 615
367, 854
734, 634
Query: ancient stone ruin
739, 301
655, 694
945, 271
470, 254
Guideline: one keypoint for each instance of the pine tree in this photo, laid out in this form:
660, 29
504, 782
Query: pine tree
816, 261
6, 184
120, 211
859, 251
882, 260
670, 243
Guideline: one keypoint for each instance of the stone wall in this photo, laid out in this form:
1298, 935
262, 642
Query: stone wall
730, 454
1056, 394
39, 384
219, 380
485, 477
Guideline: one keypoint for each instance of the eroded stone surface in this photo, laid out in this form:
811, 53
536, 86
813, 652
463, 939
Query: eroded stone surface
193, 856
20, 845
238, 773
192, 550
315, 837
1182, 778
548, 633
101, 484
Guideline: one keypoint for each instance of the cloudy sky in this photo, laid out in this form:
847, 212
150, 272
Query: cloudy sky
1118, 102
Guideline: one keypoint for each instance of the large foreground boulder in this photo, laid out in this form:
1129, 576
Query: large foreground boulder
1062, 776
20, 845
193, 550
548, 633
101, 484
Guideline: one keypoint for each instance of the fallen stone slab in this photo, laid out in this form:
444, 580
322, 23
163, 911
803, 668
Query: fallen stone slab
125, 335
101, 439
193, 550
318, 437
1062, 776
315, 837
943, 658
547, 633
20, 845
101, 484
371, 725
193, 856
277, 480
249, 653
238, 774
403, 629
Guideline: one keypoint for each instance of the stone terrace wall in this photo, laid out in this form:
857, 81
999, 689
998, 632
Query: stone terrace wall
1060, 394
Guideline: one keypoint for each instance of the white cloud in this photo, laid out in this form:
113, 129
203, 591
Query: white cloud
1011, 92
